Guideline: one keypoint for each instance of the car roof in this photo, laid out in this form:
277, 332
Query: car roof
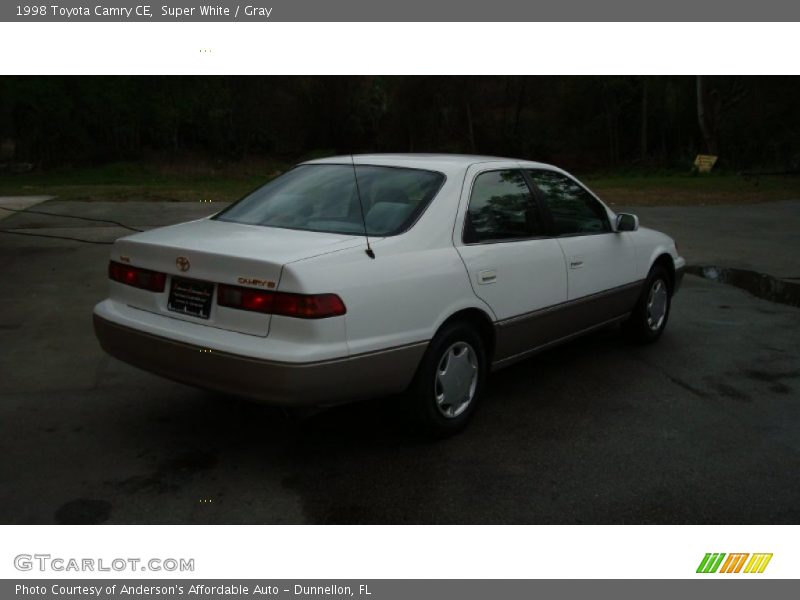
435, 162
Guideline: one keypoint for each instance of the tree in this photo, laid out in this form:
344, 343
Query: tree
708, 125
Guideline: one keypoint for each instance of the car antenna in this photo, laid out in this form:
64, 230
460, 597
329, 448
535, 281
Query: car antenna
369, 251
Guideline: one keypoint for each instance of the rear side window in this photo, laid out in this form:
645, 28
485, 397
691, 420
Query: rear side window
501, 207
575, 211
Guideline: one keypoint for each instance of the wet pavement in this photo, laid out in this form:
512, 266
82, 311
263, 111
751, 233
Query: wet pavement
699, 428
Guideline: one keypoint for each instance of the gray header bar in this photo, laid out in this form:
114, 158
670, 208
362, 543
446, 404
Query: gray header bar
732, 588
407, 10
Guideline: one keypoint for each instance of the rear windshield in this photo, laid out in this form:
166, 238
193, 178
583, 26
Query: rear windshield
324, 198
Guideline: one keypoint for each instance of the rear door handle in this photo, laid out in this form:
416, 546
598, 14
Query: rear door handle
487, 276
575, 262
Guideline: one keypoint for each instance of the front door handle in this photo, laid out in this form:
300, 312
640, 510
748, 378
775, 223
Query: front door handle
575, 262
487, 276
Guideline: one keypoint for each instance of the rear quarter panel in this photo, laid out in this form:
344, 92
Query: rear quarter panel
398, 298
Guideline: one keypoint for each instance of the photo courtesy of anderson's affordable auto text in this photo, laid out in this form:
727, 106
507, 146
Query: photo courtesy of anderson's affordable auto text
376, 301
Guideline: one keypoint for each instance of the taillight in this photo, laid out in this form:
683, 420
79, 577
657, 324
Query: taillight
301, 306
136, 277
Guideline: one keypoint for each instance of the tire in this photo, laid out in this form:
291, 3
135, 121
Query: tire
650, 316
442, 405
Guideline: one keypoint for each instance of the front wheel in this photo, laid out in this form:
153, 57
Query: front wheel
448, 382
649, 317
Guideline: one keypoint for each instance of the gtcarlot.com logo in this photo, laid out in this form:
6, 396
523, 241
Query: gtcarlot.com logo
46, 562
734, 563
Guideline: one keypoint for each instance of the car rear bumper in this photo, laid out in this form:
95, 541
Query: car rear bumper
290, 384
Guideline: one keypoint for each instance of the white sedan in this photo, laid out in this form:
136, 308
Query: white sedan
354, 277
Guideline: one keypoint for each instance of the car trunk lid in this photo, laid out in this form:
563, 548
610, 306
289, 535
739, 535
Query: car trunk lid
199, 255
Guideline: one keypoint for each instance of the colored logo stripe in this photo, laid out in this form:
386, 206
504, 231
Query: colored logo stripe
734, 563
710, 562
758, 563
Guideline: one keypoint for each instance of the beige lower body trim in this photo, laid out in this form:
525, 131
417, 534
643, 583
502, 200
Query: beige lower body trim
290, 384
521, 336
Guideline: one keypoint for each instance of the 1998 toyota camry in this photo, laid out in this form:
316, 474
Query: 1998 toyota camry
353, 277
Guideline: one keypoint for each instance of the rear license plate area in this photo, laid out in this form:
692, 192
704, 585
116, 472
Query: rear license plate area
191, 297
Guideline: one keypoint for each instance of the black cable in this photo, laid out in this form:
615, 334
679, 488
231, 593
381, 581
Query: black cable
57, 237
39, 212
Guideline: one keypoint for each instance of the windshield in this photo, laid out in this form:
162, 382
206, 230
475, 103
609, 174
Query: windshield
324, 198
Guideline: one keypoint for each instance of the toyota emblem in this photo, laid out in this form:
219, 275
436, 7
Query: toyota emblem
183, 263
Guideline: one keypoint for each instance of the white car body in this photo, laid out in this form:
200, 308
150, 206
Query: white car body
524, 295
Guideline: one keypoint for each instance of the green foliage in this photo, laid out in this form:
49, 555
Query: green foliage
585, 123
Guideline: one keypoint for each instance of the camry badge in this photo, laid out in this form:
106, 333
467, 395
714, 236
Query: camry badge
254, 281
183, 263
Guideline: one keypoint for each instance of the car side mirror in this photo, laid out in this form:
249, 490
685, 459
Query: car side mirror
627, 222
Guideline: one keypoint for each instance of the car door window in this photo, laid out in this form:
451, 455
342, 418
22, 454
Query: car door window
501, 207
574, 210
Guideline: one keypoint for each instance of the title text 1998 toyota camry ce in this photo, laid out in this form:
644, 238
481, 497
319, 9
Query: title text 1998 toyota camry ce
468, 264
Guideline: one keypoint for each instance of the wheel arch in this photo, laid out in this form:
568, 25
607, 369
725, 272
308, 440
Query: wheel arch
666, 261
480, 320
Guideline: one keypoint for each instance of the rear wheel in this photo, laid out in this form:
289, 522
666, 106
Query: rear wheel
448, 382
649, 318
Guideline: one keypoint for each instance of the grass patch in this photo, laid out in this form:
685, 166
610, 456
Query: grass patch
693, 190
198, 180
122, 182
